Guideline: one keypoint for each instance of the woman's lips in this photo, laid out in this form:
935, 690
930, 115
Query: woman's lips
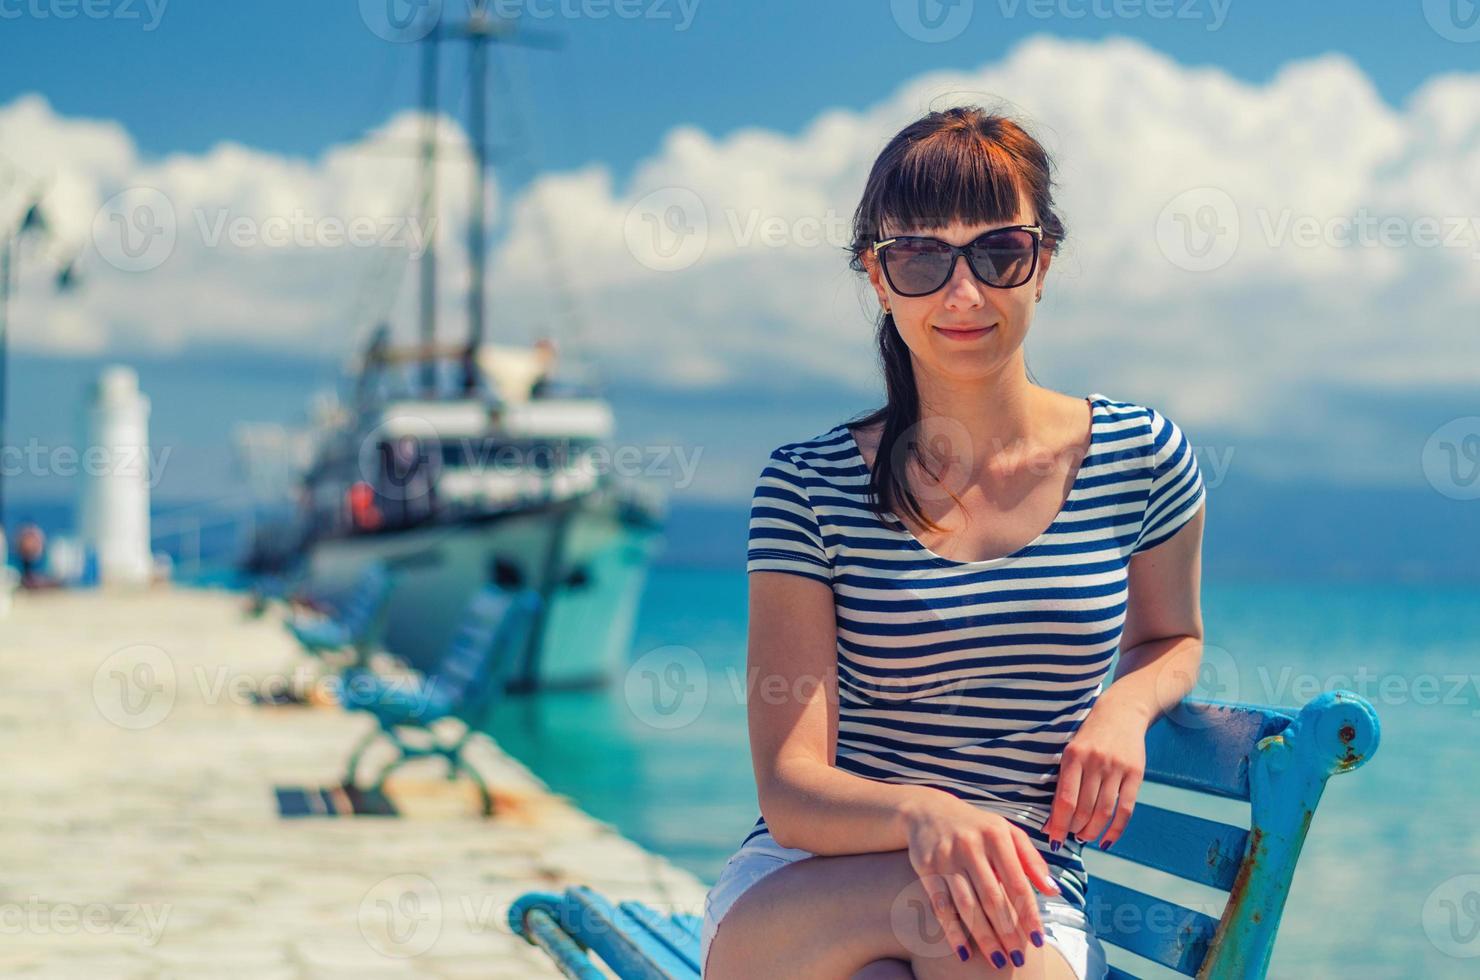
964, 334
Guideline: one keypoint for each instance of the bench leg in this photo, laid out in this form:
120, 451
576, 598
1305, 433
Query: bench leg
355, 756
402, 757
456, 764
477, 779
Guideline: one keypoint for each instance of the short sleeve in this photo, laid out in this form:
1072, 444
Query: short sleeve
1176, 483
784, 534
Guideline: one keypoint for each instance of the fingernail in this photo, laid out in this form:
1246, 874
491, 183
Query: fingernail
1054, 845
998, 960
962, 952
1037, 938
1017, 957
1105, 845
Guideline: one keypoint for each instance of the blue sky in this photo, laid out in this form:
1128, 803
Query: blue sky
1299, 356
295, 77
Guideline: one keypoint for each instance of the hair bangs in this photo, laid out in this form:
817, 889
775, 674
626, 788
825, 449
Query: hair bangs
951, 176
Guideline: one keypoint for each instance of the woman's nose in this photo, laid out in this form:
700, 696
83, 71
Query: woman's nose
963, 289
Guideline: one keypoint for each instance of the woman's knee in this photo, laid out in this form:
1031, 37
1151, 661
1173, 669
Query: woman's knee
1044, 963
821, 916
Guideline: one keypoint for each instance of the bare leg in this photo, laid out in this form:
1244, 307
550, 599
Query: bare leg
836, 916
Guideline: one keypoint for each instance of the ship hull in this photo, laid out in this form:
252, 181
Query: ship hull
586, 556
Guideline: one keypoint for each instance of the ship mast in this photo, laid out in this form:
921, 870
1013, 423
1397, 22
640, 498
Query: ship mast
428, 265
478, 31
481, 28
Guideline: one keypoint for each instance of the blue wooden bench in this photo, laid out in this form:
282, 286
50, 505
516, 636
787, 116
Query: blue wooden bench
1276, 759
357, 621
469, 680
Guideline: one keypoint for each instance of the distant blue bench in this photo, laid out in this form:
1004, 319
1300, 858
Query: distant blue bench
468, 681
1274, 758
357, 620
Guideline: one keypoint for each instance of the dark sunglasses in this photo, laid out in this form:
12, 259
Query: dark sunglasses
1003, 258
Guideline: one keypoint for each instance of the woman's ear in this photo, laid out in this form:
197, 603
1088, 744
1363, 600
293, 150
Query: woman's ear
1045, 259
876, 276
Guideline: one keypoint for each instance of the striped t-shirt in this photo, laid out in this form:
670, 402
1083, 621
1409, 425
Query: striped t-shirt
972, 676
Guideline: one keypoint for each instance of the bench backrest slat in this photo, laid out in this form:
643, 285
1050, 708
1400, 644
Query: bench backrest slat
365, 600
1204, 745
622, 941
1183, 844
1161, 931
474, 671
675, 935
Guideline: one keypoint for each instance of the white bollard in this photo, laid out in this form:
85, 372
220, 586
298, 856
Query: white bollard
114, 504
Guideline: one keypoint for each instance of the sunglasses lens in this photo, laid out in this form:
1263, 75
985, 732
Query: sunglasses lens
918, 266
1004, 258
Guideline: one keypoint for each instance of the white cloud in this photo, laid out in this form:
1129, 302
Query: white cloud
764, 293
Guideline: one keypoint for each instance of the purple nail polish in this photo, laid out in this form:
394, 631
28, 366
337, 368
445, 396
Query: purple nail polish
1054, 845
998, 960
1017, 957
962, 952
1037, 938
1106, 845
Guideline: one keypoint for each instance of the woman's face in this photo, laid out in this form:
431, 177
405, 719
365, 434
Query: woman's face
963, 303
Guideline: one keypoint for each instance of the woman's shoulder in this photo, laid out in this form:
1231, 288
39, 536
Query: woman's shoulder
818, 456
1136, 423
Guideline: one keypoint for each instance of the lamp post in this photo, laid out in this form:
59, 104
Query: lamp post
33, 222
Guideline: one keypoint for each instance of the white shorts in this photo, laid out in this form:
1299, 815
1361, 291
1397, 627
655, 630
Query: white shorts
1065, 927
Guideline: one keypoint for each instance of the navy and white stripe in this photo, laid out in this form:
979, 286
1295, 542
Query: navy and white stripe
972, 676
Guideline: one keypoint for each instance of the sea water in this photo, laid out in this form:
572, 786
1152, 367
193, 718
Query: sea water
1389, 882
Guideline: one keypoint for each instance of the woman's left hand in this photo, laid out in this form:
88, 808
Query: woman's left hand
1099, 775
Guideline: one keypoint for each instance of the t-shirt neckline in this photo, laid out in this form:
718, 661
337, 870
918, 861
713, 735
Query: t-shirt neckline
1096, 401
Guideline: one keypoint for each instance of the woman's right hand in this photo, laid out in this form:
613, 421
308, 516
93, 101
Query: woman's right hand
979, 870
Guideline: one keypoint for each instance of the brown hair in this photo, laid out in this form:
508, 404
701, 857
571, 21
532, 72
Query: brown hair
962, 164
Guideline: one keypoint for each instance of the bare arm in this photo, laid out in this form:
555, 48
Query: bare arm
1161, 645
792, 706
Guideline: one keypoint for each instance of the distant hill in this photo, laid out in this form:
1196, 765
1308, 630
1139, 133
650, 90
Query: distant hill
1254, 530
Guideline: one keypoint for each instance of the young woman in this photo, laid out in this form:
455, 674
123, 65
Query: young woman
937, 593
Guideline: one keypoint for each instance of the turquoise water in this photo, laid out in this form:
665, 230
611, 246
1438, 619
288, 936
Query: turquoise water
1382, 889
